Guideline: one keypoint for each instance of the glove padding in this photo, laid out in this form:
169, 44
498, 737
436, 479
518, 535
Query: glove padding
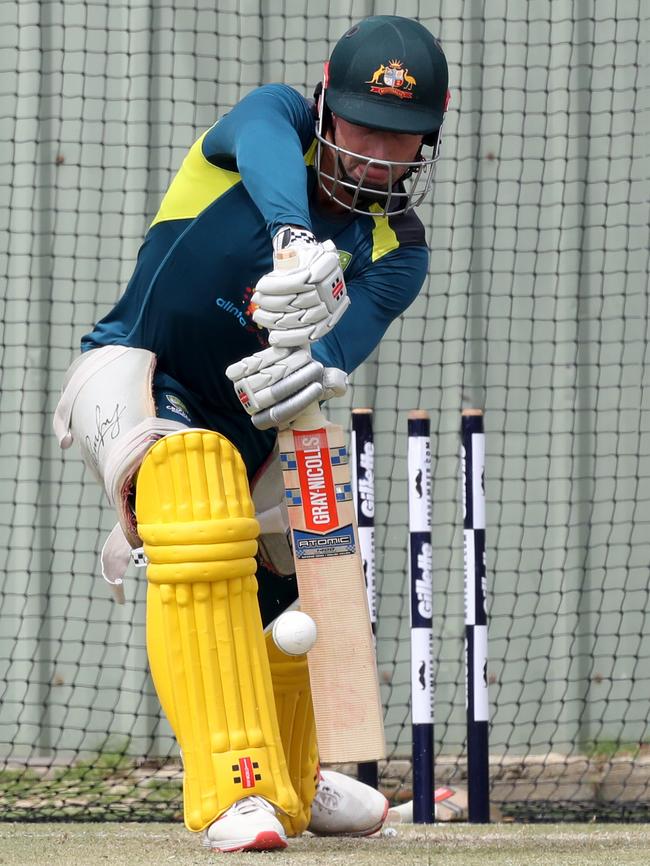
276, 385
304, 303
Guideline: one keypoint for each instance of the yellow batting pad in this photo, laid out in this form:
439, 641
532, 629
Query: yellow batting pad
204, 633
290, 676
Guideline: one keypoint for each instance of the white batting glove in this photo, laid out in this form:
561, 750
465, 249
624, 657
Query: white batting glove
276, 385
302, 304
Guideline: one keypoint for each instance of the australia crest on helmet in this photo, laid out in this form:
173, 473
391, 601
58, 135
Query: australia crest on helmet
394, 78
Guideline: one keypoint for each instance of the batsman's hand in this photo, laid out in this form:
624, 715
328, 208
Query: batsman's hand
277, 384
302, 304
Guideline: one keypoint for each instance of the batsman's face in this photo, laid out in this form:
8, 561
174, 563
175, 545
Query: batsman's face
367, 170
375, 144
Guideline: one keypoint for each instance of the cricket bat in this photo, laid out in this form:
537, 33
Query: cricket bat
331, 584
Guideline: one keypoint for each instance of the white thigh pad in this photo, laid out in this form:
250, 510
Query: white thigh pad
107, 407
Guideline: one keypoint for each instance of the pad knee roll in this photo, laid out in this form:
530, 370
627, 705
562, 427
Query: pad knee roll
204, 633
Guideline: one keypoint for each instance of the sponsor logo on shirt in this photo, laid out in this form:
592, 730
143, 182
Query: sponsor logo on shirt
242, 312
177, 407
344, 259
234, 310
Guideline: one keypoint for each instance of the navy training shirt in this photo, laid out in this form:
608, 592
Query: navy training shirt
189, 298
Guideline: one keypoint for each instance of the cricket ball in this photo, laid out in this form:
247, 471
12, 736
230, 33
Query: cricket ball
294, 632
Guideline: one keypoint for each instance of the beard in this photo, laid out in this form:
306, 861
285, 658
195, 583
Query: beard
370, 194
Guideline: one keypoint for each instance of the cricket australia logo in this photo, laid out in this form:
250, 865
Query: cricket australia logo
393, 78
344, 259
176, 405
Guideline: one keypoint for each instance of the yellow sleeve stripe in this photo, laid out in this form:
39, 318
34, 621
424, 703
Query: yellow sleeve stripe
310, 155
384, 239
197, 184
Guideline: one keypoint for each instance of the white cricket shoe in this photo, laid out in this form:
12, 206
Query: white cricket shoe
345, 807
249, 825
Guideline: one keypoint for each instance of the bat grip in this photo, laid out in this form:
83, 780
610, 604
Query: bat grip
287, 260
312, 417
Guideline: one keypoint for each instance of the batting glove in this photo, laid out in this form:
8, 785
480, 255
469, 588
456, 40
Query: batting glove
302, 304
276, 385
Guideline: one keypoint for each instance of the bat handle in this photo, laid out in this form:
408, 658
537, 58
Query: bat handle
311, 419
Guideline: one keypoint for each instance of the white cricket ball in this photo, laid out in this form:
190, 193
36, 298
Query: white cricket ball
294, 632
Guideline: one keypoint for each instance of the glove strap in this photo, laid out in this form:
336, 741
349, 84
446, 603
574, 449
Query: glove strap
289, 235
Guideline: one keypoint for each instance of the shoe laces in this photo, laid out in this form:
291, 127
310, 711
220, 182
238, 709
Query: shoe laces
251, 804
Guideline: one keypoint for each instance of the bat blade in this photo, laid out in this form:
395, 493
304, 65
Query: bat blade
329, 570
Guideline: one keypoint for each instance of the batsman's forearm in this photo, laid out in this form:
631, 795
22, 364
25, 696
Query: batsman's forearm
266, 134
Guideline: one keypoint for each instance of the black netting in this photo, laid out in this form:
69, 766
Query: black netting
535, 309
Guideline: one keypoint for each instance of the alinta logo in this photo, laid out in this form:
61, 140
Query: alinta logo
242, 312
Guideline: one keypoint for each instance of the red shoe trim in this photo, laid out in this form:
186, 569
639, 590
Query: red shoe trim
267, 840
379, 825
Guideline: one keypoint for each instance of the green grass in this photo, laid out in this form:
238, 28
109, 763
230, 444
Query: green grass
605, 750
440, 845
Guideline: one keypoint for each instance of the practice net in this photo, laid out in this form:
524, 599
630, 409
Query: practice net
536, 309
